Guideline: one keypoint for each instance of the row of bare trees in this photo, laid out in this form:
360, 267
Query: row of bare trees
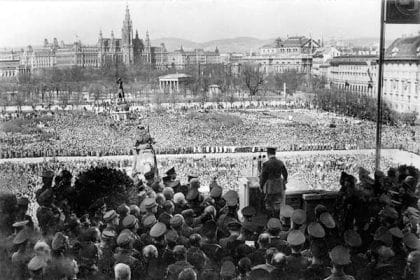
68, 85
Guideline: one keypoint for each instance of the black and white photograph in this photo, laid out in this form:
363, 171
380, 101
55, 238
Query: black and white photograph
210, 140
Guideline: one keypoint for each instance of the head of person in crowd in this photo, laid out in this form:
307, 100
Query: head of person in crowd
264, 240
244, 266
122, 272
296, 239
130, 222
177, 221
150, 251
180, 253
298, 218
187, 274
412, 268
123, 210
271, 152
279, 261
60, 244
171, 173
269, 253
168, 192
179, 198
340, 257
151, 205
160, 199
195, 240
274, 226
286, 212
111, 218
168, 207
227, 270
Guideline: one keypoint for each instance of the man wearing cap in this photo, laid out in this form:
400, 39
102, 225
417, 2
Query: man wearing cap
273, 180
61, 264
177, 224
216, 194
180, 255
180, 203
412, 268
227, 270
234, 228
274, 228
258, 256
170, 180
22, 256
126, 254
340, 257
318, 269
194, 197
131, 226
112, 220
151, 207
167, 214
296, 262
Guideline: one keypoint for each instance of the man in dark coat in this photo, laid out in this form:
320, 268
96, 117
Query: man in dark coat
273, 180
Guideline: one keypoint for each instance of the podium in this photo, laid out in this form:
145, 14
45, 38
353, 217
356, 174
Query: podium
250, 195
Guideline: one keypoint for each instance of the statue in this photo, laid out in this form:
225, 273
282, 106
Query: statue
120, 89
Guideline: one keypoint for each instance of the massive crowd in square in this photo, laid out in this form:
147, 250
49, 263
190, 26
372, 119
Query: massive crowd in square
187, 224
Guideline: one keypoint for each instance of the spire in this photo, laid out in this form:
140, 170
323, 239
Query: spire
100, 33
216, 50
147, 39
181, 49
137, 34
127, 13
112, 34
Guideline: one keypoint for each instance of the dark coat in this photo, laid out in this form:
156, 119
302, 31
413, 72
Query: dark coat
273, 176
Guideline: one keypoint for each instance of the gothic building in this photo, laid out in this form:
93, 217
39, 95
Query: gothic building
126, 50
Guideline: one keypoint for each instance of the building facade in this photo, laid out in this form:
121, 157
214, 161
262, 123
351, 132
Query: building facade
179, 59
293, 54
401, 81
401, 87
110, 50
354, 73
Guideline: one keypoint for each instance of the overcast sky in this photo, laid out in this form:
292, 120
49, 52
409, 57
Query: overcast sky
30, 21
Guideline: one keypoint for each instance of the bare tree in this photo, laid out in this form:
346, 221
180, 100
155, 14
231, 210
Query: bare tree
253, 78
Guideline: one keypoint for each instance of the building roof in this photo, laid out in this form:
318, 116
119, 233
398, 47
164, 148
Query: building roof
271, 45
295, 41
404, 49
174, 76
354, 60
12, 63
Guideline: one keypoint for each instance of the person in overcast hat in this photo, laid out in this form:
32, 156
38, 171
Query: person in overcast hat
340, 257
296, 262
273, 180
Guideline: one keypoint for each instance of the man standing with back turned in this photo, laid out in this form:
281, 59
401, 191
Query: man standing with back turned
273, 180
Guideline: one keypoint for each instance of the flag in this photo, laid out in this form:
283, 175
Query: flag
402, 12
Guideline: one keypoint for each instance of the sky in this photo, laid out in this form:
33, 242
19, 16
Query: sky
25, 22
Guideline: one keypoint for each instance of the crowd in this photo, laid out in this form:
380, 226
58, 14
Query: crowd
317, 171
169, 230
75, 133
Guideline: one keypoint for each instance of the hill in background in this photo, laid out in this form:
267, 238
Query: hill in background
238, 44
246, 44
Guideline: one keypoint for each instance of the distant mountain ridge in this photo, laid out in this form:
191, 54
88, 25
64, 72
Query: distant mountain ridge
245, 44
238, 44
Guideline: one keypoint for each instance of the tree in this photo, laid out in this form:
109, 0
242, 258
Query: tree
99, 185
253, 78
293, 80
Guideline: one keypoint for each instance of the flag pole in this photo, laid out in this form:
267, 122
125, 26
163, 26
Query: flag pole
380, 80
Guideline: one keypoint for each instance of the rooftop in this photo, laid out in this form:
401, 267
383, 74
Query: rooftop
175, 76
404, 48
